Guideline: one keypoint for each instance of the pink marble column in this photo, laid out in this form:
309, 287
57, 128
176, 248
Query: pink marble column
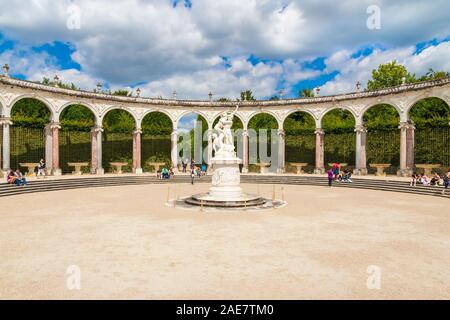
210, 149
361, 159
281, 151
5, 124
137, 168
174, 150
406, 148
96, 150
56, 170
410, 137
93, 150
320, 168
245, 151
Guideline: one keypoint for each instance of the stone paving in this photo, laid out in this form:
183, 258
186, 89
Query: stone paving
129, 244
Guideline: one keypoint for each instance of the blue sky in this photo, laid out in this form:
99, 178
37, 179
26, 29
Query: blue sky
198, 46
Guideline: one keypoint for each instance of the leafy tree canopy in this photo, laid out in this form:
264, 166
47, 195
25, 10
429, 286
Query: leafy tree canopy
247, 95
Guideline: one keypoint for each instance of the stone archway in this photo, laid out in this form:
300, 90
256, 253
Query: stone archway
299, 128
30, 134
339, 140
431, 119
75, 139
157, 128
381, 121
117, 139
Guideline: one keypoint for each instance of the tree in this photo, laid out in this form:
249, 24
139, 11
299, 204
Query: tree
306, 93
223, 99
60, 84
247, 95
122, 92
434, 75
389, 75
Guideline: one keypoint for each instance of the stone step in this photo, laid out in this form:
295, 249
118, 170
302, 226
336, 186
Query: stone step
75, 183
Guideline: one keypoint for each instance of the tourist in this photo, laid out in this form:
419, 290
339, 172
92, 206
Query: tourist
165, 173
42, 171
346, 176
171, 173
10, 177
330, 177
184, 165
192, 176
414, 178
158, 174
192, 164
435, 180
446, 181
203, 169
20, 180
198, 172
425, 180
336, 170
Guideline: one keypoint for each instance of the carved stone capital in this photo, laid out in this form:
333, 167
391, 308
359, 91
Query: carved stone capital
360, 129
5, 121
319, 131
53, 125
407, 125
137, 131
96, 129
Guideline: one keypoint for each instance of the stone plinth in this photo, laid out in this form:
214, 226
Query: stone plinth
226, 178
225, 190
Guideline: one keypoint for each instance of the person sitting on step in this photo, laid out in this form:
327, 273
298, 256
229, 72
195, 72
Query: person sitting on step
10, 177
435, 180
346, 176
425, 180
414, 178
20, 180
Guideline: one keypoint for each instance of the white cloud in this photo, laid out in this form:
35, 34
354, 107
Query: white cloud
353, 70
133, 41
36, 66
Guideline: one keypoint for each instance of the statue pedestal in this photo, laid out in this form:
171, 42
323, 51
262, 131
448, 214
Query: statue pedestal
225, 191
226, 178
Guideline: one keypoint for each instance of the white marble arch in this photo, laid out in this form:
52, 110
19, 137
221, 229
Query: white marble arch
316, 120
46, 102
411, 102
270, 112
114, 107
370, 106
198, 112
160, 110
355, 116
81, 103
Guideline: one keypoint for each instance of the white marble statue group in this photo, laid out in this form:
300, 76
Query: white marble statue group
223, 143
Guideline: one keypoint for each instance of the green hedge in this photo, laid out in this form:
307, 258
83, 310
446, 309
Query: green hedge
432, 145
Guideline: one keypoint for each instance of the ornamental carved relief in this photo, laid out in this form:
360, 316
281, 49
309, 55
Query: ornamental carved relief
226, 176
8, 97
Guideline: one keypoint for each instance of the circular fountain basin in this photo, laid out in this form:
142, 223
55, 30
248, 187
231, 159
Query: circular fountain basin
242, 201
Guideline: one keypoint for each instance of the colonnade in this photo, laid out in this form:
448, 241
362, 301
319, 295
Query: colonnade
52, 158
402, 98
